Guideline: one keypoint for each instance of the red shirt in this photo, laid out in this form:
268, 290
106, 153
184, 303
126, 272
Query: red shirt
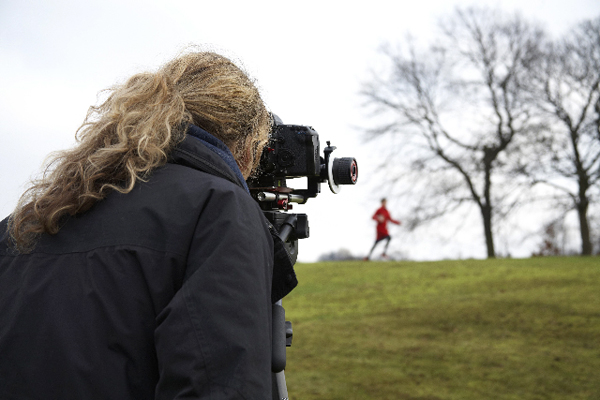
382, 216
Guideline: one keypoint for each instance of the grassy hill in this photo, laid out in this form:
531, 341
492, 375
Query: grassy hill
470, 329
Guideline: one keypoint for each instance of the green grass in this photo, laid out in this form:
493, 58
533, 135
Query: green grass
470, 329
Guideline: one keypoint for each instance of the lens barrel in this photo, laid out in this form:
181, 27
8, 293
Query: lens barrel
345, 171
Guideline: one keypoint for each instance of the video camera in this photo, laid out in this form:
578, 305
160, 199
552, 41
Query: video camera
293, 151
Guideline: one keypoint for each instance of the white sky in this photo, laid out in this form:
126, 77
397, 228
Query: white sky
309, 59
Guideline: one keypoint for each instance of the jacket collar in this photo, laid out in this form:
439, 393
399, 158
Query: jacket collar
217, 146
193, 153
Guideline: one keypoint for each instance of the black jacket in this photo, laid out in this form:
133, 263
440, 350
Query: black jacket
163, 293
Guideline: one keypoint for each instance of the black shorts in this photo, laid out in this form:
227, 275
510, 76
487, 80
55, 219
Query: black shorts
388, 237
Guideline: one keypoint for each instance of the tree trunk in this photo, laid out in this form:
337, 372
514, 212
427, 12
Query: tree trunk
489, 155
584, 227
486, 213
582, 202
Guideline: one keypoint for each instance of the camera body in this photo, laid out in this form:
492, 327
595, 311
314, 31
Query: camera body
293, 152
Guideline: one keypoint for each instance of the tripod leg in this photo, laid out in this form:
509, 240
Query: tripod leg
279, 386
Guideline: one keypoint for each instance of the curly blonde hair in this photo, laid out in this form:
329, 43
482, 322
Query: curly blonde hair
132, 132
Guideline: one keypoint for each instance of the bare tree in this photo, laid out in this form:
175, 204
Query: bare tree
459, 107
565, 81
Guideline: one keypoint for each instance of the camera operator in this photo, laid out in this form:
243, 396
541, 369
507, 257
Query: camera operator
138, 266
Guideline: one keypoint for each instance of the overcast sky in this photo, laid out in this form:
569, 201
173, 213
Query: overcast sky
308, 57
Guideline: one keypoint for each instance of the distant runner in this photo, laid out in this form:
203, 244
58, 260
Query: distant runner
382, 216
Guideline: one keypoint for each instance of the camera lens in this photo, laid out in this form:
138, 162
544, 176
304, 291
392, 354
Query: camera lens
345, 171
